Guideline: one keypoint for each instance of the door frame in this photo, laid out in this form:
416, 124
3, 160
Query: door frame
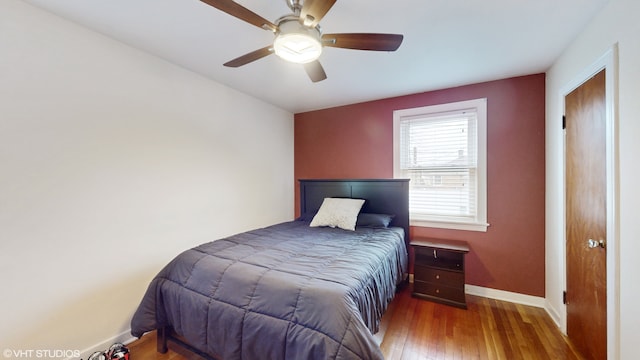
608, 62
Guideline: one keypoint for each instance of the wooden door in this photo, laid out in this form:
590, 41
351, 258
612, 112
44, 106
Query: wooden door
586, 217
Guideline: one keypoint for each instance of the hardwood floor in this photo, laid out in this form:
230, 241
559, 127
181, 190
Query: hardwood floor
415, 329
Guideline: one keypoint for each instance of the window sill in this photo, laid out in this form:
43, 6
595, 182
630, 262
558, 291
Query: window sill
481, 227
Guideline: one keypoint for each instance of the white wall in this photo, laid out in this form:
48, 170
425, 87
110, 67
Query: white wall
111, 162
616, 23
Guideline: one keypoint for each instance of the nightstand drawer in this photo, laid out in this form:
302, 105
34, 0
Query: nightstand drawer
439, 258
439, 291
438, 276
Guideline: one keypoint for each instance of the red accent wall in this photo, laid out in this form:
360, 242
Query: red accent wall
356, 141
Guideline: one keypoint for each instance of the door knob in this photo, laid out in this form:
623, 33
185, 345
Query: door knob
595, 243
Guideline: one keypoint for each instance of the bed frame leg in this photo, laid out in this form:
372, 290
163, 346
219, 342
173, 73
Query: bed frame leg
162, 340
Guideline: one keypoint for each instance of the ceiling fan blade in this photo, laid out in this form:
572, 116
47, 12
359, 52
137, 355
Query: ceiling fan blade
314, 10
250, 57
315, 71
234, 9
359, 41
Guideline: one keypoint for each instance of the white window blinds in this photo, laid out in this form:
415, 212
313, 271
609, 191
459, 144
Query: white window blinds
437, 148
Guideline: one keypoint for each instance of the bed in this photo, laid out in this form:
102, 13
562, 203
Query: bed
293, 290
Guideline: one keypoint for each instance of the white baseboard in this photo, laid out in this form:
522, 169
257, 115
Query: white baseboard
556, 317
124, 338
505, 296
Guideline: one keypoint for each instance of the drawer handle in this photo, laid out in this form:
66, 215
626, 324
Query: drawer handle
437, 276
437, 291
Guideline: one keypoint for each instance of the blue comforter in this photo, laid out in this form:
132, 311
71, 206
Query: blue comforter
287, 291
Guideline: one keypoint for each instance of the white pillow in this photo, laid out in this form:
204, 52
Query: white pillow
338, 212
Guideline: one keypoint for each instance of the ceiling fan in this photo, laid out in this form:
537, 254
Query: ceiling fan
299, 38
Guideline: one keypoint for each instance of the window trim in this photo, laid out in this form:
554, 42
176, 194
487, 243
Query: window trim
480, 106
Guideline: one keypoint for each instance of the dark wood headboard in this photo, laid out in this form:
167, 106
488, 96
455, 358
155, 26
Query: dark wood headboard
383, 196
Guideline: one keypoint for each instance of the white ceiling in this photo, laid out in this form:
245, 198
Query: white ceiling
446, 43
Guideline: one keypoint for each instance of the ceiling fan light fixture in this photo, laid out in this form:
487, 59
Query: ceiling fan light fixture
297, 43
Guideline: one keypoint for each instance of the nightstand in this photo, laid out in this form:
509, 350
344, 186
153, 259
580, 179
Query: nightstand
438, 272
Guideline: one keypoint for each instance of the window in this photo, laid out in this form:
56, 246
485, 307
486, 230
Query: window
442, 149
